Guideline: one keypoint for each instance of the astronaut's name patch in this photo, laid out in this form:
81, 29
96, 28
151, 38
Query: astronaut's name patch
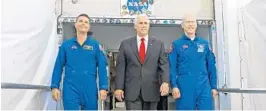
88, 47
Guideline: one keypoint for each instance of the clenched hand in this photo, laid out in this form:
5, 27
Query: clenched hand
119, 94
56, 94
176, 93
103, 95
214, 93
164, 89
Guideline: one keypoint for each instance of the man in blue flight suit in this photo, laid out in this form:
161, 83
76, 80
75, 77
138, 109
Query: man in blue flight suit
80, 57
192, 70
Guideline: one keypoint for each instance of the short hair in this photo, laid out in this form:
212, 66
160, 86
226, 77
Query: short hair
83, 15
188, 14
141, 15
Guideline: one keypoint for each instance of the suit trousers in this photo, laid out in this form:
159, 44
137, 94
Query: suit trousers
140, 104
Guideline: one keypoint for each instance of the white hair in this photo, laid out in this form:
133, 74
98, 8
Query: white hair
141, 15
186, 15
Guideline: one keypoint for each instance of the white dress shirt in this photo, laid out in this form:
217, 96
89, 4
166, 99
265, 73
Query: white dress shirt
145, 41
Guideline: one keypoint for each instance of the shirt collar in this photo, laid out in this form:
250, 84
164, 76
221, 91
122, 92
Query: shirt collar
145, 37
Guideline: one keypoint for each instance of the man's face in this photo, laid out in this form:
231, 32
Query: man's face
82, 24
189, 24
142, 26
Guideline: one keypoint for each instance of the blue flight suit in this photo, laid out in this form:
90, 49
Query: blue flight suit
193, 71
80, 63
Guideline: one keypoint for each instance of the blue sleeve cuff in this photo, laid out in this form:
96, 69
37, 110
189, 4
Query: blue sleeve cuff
54, 86
214, 87
173, 86
103, 87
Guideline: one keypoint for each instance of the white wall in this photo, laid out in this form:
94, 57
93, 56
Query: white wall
162, 8
28, 52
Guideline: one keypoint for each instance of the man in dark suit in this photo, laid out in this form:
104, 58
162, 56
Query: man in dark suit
142, 69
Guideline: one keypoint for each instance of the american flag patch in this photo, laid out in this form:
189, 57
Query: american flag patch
74, 47
185, 46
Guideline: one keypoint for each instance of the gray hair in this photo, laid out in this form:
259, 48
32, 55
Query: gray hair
141, 15
188, 14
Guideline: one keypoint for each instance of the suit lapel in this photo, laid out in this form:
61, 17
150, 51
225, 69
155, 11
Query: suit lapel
134, 47
148, 52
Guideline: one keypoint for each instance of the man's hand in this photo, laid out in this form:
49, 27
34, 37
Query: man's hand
119, 94
164, 89
103, 95
56, 94
176, 93
214, 93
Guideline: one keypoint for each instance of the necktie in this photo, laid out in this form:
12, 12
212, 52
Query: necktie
142, 51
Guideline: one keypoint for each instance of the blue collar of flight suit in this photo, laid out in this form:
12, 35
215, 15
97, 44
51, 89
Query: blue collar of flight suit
185, 37
86, 41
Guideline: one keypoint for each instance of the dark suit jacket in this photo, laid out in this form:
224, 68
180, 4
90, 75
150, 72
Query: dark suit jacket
132, 76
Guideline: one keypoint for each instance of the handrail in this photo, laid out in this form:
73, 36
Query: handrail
24, 86
47, 88
242, 90
28, 86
